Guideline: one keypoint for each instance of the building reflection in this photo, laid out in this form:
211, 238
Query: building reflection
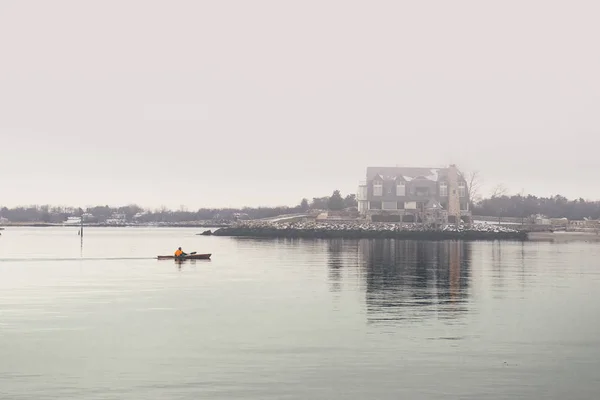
336, 248
414, 279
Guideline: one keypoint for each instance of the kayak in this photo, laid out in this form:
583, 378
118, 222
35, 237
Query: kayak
188, 257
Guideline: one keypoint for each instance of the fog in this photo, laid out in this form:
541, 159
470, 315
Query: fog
266, 102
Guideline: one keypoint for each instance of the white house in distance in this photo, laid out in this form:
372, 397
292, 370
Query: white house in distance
414, 194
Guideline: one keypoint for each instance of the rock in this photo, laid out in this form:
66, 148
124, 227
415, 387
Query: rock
360, 230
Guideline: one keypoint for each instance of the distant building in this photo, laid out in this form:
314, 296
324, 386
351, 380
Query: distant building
540, 219
117, 219
240, 216
585, 224
87, 217
3, 220
403, 194
72, 221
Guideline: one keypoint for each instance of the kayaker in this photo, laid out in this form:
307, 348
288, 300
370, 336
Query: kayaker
179, 253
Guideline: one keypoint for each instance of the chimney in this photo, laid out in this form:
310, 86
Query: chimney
453, 194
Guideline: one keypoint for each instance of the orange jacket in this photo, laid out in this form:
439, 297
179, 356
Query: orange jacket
178, 253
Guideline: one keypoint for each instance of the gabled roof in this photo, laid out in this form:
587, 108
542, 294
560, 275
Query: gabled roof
406, 173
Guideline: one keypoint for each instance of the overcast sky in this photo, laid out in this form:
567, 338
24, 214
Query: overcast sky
228, 103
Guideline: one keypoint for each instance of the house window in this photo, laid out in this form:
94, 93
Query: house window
374, 205
410, 205
443, 189
400, 189
422, 191
390, 205
377, 188
462, 190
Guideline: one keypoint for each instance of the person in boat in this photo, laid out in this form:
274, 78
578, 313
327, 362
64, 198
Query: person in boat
180, 253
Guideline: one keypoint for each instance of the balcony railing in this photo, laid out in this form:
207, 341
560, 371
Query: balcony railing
362, 194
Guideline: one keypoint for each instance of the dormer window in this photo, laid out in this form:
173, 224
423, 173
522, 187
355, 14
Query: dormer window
400, 189
377, 188
443, 189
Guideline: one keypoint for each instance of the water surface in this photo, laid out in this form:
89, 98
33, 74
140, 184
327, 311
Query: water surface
294, 319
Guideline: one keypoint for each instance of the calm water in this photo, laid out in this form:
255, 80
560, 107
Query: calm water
294, 319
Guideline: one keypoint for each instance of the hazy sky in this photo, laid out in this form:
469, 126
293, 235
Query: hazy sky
225, 103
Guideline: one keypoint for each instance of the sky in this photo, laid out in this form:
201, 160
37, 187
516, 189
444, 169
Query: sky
232, 103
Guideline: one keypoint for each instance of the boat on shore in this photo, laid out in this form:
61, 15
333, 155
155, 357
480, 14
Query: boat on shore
73, 221
186, 257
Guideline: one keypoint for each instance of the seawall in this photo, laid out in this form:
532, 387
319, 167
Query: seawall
319, 233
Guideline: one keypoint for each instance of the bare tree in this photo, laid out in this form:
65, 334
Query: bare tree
474, 181
499, 191
473, 185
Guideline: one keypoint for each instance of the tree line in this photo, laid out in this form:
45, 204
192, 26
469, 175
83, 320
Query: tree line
498, 205
521, 206
130, 213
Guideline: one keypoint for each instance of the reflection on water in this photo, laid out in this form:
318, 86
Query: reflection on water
336, 249
407, 280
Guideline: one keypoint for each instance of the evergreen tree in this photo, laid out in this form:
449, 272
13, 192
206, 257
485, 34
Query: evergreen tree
336, 202
304, 206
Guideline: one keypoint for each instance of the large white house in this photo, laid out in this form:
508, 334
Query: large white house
408, 194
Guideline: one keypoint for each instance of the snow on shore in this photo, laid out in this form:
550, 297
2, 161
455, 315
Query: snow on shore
366, 226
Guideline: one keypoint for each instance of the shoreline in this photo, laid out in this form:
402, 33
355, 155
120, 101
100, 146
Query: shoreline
337, 230
88, 225
564, 236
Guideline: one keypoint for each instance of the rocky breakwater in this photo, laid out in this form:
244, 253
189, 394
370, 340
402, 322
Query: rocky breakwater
358, 230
